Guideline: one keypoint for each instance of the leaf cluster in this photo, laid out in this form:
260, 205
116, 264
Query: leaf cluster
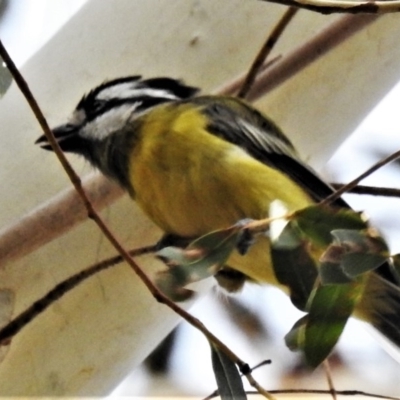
321, 254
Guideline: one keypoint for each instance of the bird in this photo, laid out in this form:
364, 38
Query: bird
195, 163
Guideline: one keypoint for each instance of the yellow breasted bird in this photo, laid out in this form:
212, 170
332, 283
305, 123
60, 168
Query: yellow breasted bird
196, 163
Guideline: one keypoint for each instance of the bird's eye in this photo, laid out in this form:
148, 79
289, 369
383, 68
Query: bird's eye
69, 127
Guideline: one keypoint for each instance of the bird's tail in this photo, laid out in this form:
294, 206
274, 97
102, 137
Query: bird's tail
380, 306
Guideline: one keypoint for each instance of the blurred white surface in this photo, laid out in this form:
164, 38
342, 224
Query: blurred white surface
25, 25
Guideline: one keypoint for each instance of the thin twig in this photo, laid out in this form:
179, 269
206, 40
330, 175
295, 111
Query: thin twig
347, 7
40, 305
328, 375
318, 391
370, 190
266, 50
157, 294
301, 57
338, 392
261, 364
355, 181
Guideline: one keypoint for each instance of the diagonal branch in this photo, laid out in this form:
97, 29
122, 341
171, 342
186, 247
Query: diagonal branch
266, 50
36, 308
343, 6
370, 190
355, 181
301, 57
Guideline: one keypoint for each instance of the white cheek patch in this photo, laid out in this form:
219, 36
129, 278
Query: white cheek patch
110, 122
129, 90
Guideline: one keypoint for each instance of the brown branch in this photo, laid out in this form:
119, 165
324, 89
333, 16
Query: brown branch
302, 56
75, 180
370, 190
58, 291
347, 7
266, 50
329, 379
338, 392
316, 391
54, 217
355, 181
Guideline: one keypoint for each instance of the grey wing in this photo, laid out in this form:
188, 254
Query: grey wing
244, 126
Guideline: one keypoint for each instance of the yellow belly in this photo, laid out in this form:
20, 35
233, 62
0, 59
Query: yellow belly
191, 185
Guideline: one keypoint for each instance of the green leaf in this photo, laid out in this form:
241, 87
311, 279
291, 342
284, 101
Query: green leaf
355, 264
330, 270
229, 381
353, 253
318, 222
201, 259
329, 309
362, 252
293, 265
171, 282
351, 249
332, 274
294, 339
316, 333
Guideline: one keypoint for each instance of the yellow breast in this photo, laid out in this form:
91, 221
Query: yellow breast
190, 182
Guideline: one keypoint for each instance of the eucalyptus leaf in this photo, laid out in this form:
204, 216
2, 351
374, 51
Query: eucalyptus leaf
318, 222
362, 251
332, 274
229, 381
293, 265
294, 339
330, 307
355, 264
171, 282
201, 259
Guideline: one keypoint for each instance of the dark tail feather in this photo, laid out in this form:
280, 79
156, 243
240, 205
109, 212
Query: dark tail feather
380, 306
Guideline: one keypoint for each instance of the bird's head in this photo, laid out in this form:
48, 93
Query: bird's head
106, 109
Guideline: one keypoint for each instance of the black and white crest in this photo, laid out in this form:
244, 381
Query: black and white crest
133, 90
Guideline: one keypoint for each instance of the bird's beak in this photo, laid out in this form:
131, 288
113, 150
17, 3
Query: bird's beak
66, 136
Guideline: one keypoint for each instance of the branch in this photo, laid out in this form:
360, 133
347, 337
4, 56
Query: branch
370, 190
36, 308
265, 51
328, 374
75, 180
298, 59
355, 181
54, 217
339, 392
319, 391
339, 6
